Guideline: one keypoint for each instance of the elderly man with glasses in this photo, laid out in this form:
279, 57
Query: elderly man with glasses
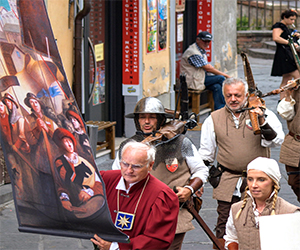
141, 206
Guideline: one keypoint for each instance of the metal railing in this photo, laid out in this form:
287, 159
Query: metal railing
261, 15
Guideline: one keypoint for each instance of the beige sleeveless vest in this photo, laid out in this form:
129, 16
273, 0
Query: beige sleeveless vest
237, 147
194, 76
290, 148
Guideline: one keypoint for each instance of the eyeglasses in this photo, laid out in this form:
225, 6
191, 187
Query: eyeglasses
133, 166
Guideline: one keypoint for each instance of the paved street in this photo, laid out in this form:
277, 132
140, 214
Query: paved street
10, 238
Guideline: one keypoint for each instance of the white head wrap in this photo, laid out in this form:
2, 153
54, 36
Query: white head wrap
268, 166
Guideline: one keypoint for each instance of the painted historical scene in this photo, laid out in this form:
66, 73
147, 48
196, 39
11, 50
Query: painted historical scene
57, 188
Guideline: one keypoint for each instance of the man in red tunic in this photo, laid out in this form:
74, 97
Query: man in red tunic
141, 206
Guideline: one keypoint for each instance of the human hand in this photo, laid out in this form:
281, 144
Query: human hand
102, 244
41, 124
67, 205
259, 111
25, 147
199, 192
183, 194
84, 196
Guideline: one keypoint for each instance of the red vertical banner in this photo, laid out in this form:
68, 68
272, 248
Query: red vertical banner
204, 20
130, 47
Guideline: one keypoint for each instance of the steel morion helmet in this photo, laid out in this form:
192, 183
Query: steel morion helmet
149, 105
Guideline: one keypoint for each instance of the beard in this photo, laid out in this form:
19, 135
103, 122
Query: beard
237, 108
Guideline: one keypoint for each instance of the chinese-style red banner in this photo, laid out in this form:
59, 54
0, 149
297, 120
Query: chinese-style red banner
204, 20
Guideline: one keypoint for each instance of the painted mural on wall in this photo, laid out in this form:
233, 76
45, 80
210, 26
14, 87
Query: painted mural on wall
151, 25
56, 186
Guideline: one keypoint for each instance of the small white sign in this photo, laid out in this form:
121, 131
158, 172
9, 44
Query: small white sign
131, 89
278, 232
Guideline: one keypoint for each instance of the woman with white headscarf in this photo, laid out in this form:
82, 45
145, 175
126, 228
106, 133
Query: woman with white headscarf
261, 199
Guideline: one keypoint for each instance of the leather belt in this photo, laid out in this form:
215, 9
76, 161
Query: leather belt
243, 173
295, 136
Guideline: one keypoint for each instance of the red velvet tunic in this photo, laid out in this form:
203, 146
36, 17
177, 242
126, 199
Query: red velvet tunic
156, 217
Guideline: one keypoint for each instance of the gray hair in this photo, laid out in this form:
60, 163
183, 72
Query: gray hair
235, 80
151, 150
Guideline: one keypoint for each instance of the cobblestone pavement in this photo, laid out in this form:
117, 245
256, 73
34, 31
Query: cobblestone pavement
11, 238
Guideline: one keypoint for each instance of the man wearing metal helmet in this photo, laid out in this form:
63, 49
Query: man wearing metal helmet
177, 161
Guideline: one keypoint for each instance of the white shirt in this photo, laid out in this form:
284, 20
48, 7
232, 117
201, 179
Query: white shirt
286, 109
208, 144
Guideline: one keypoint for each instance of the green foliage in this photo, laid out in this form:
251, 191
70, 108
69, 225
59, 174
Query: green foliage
242, 23
259, 24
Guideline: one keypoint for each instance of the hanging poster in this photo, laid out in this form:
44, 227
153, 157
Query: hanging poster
179, 28
151, 25
162, 24
56, 187
99, 52
99, 89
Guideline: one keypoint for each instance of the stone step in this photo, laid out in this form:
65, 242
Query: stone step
270, 45
261, 53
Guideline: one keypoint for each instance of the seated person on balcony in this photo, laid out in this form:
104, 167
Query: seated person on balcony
195, 66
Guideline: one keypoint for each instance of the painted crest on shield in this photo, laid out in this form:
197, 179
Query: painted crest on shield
171, 164
248, 124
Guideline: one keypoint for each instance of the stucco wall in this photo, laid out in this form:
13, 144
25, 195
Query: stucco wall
224, 41
156, 65
157, 72
62, 27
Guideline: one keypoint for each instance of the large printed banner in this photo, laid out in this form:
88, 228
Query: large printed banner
56, 186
